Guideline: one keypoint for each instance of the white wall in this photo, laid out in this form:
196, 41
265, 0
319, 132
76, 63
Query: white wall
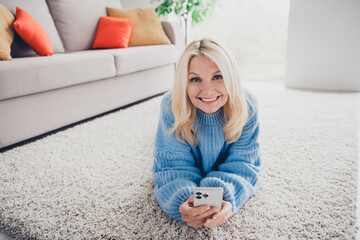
256, 33
323, 49
136, 4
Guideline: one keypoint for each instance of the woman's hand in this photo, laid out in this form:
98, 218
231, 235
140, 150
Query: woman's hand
195, 216
220, 217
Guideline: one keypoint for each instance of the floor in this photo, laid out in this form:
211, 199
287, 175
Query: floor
259, 86
3, 236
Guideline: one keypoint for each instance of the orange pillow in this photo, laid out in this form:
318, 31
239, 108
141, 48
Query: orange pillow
32, 33
113, 33
147, 29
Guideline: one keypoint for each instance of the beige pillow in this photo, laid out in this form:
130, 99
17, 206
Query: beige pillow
147, 29
6, 33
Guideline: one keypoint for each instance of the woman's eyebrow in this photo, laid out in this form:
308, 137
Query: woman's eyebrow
217, 72
193, 73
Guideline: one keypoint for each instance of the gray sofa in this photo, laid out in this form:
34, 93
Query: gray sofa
41, 94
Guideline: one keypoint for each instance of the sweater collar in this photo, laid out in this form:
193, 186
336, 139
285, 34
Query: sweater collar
210, 119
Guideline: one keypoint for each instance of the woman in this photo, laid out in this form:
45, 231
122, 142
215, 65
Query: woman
207, 137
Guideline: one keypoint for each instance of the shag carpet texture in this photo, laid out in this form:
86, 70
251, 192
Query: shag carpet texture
93, 181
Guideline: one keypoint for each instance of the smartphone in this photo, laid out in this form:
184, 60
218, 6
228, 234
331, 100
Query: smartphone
212, 196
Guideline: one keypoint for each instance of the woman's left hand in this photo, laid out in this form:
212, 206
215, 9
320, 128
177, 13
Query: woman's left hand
221, 217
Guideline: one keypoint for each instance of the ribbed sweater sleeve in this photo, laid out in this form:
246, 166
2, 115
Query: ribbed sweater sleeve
174, 171
238, 174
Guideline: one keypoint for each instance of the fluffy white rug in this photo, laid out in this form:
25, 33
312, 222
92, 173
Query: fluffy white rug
94, 180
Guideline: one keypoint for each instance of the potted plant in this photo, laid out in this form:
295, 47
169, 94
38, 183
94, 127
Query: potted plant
196, 10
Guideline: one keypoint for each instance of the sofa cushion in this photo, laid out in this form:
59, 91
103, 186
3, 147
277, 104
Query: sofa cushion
6, 33
77, 20
133, 59
32, 33
23, 76
39, 10
113, 32
147, 29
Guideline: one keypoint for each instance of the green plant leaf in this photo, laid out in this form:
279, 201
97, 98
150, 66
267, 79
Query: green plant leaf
198, 9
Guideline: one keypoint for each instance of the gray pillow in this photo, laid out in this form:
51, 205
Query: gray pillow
39, 10
77, 20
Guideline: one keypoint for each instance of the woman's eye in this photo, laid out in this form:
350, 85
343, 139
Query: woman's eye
217, 77
195, 79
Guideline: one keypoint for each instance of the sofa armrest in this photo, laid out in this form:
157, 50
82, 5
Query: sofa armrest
175, 34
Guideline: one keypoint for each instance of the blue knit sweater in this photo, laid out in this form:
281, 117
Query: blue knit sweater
178, 167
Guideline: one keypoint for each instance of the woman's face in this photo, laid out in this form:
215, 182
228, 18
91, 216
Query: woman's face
206, 88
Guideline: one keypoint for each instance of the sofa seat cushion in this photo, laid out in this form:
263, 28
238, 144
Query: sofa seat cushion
23, 76
133, 59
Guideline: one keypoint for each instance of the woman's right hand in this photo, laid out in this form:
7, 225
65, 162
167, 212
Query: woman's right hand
195, 216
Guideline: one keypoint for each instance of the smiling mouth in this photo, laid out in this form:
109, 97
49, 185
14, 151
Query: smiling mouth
209, 99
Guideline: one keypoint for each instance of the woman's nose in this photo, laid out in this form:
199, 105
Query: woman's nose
207, 86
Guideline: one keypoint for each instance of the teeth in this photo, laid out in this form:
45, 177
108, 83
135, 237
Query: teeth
209, 99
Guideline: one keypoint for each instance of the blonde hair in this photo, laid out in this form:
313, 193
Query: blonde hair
235, 109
